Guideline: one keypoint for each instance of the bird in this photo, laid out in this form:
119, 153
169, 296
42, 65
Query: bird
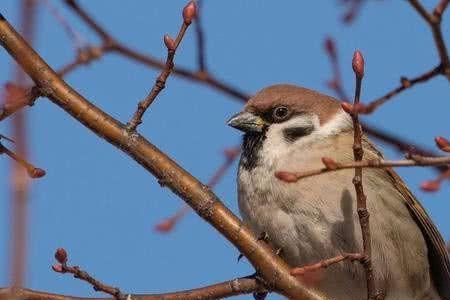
291, 128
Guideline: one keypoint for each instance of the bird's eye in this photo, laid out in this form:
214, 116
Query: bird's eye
280, 113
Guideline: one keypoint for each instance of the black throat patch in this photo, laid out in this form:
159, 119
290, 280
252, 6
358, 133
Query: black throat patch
251, 148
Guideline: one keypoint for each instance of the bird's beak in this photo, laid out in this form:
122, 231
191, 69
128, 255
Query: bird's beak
246, 122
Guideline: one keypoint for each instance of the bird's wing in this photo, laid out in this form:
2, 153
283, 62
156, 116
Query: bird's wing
437, 252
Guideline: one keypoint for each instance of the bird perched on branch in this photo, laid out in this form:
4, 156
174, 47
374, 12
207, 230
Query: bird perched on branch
291, 128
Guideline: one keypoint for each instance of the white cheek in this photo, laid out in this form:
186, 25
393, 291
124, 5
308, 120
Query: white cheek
276, 146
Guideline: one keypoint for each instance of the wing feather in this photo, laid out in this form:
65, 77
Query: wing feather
437, 251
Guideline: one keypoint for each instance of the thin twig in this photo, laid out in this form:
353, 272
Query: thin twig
172, 46
32, 171
358, 152
434, 20
405, 83
76, 38
435, 184
335, 84
332, 166
327, 262
97, 285
104, 35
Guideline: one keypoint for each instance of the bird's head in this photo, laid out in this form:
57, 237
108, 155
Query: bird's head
291, 115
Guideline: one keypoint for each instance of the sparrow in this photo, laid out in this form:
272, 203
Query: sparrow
290, 128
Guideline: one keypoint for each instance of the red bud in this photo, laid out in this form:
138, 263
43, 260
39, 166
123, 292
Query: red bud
61, 255
166, 225
36, 172
330, 47
58, 268
442, 143
189, 12
329, 163
169, 42
286, 176
430, 186
347, 107
358, 64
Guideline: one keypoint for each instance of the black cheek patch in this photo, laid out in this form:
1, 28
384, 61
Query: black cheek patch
294, 133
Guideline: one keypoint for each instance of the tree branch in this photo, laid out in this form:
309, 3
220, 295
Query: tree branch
405, 84
332, 166
188, 13
434, 21
358, 152
238, 286
327, 262
273, 269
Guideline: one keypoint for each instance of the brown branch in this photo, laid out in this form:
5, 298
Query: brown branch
327, 262
434, 20
238, 286
358, 152
172, 46
272, 269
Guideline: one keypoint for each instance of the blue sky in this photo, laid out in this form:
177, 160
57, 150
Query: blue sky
101, 206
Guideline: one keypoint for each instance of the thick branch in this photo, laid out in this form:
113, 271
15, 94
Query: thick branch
272, 268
